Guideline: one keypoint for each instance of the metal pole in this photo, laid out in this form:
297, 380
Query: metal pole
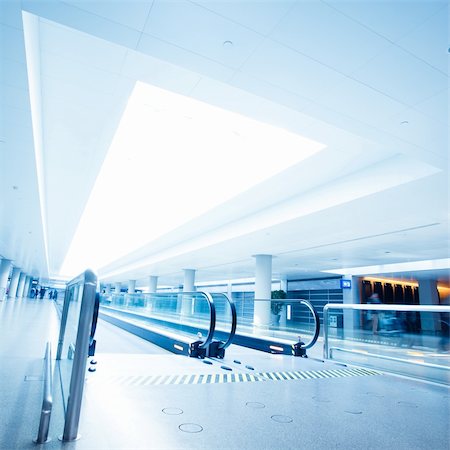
47, 401
325, 331
80, 358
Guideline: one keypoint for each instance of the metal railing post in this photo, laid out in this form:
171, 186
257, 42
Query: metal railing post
47, 401
325, 331
80, 358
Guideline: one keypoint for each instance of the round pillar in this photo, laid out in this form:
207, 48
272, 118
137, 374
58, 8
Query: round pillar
152, 284
21, 285
13, 284
131, 286
26, 288
187, 302
5, 269
263, 290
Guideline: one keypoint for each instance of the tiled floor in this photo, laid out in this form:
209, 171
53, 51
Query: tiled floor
296, 404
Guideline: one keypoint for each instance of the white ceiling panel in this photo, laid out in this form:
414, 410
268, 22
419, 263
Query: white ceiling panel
287, 68
260, 16
13, 74
436, 107
430, 41
95, 82
160, 73
14, 97
84, 21
312, 80
194, 28
131, 13
12, 43
392, 19
418, 129
332, 42
174, 54
81, 47
402, 76
11, 14
251, 81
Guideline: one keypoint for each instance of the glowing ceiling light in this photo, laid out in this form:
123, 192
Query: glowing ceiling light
172, 159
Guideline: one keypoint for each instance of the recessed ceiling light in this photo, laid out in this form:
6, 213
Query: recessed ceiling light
405, 122
227, 43
15, 188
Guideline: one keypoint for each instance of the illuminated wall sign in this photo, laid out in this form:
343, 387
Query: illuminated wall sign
346, 284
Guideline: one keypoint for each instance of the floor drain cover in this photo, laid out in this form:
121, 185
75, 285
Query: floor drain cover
282, 419
207, 362
349, 411
190, 428
255, 405
236, 361
250, 367
172, 411
226, 368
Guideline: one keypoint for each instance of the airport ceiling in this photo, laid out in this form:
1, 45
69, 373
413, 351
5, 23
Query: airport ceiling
368, 80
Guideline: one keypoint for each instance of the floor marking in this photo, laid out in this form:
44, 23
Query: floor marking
220, 378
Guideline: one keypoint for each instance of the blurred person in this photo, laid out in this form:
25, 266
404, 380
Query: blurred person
374, 299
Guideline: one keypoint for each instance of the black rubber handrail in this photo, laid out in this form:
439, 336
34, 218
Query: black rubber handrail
310, 306
229, 341
313, 310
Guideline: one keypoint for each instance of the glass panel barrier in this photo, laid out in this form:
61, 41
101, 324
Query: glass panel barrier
285, 320
190, 314
411, 340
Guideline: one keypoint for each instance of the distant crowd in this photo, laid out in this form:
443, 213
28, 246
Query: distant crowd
39, 293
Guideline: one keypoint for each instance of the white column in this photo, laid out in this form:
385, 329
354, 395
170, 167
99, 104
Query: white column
5, 268
108, 289
21, 284
351, 296
117, 287
283, 313
428, 295
188, 286
14, 283
189, 280
263, 290
26, 288
131, 286
152, 284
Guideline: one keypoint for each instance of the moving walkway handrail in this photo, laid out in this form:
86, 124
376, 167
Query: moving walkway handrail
373, 307
233, 320
310, 306
212, 310
47, 399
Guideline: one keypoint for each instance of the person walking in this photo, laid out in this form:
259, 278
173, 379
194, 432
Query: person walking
374, 299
